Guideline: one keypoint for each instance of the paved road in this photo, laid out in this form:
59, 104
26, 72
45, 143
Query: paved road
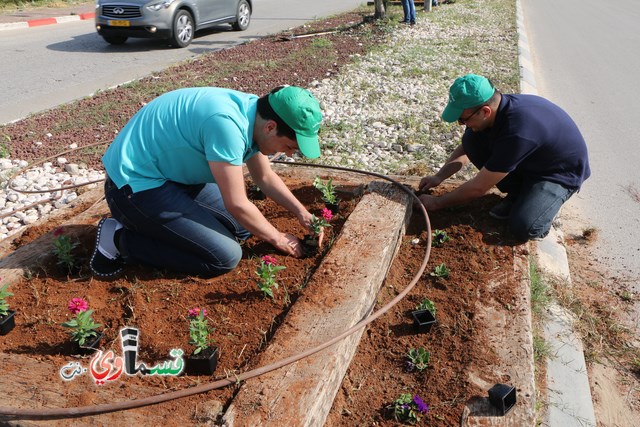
43, 67
585, 55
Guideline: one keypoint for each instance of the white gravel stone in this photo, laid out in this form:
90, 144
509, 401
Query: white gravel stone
377, 117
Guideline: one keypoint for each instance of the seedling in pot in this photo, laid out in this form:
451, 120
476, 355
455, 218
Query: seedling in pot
204, 358
7, 320
439, 237
84, 331
427, 304
503, 397
440, 271
423, 320
328, 191
255, 193
310, 244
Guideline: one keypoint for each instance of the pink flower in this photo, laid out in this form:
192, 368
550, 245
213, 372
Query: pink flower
58, 232
326, 214
78, 305
269, 260
195, 312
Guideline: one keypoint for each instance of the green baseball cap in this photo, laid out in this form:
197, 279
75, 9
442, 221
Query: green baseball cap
467, 91
298, 108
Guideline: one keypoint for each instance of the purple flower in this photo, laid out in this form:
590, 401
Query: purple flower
422, 407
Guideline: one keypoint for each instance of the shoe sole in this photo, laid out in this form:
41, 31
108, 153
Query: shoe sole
112, 275
497, 216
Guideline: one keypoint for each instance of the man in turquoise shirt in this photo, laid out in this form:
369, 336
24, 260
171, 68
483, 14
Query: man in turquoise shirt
175, 185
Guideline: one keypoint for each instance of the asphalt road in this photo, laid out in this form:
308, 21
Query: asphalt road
43, 67
585, 56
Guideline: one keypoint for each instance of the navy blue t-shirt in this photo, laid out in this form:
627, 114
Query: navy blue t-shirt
532, 138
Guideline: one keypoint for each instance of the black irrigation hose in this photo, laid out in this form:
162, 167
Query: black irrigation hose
45, 413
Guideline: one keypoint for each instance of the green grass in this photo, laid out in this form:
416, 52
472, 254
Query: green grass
540, 292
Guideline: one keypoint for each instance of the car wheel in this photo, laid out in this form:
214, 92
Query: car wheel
243, 16
182, 29
115, 39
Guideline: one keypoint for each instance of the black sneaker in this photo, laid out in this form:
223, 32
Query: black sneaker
502, 210
106, 262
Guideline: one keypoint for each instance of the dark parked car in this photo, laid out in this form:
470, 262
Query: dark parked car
175, 20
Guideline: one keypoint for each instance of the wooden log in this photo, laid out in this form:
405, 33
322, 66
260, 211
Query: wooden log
341, 293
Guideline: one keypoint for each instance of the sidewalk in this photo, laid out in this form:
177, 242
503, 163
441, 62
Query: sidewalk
35, 17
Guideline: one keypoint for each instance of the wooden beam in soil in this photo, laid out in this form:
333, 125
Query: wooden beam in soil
341, 292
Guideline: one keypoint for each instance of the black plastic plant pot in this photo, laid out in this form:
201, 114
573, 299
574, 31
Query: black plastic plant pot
257, 194
90, 345
8, 322
333, 207
203, 363
423, 320
503, 397
309, 246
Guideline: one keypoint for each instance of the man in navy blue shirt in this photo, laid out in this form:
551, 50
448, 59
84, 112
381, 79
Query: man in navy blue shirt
525, 145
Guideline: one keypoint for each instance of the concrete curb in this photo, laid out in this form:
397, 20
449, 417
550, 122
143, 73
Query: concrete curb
569, 395
46, 21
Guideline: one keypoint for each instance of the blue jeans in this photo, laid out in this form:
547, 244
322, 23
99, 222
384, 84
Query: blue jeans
409, 10
182, 228
534, 206
535, 201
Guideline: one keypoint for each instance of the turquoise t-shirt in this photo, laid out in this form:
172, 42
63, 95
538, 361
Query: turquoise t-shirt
173, 138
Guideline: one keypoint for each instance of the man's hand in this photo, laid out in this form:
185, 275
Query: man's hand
431, 203
305, 221
289, 244
428, 182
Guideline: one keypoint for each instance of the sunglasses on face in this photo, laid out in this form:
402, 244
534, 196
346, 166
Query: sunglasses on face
466, 119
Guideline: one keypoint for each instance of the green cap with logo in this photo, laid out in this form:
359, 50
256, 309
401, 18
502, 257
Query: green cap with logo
299, 109
467, 91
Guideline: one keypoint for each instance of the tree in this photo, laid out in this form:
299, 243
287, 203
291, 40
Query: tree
380, 8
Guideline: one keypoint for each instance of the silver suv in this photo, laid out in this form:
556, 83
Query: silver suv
176, 20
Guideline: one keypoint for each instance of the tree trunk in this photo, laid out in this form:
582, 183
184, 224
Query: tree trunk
381, 9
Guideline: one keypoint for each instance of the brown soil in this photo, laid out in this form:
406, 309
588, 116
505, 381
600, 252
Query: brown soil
156, 302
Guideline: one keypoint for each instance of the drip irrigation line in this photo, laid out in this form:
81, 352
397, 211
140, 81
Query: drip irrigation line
53, 413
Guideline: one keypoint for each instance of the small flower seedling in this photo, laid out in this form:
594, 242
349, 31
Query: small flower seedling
439, 237
82, 326
62, 248
4, 305
327, 189
418, 358
199, 329
440, 271
267, 272
427, 304
322, 221
408, 408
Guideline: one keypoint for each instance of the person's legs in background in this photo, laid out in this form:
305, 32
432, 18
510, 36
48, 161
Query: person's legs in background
405, 9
